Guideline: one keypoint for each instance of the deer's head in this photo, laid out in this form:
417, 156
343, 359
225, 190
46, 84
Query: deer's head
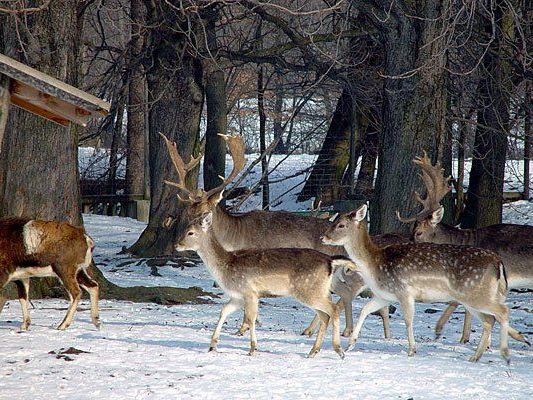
195, 233
346, 226
201, 202
437, 186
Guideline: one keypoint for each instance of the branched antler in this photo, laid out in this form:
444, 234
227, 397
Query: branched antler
437, 186
236, 148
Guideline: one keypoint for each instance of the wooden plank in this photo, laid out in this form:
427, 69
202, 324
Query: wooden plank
47, 106
52, 86
4, 105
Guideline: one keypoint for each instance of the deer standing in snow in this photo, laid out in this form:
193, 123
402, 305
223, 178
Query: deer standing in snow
36, 248
513, 243
247, 275
426, 272
265, 229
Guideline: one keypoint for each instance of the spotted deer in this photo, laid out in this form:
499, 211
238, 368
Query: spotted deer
264, 229
247, 275
426, 272
36, 248
512, 242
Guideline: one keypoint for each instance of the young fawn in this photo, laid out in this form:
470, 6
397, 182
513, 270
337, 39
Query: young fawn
247, 275
425, 272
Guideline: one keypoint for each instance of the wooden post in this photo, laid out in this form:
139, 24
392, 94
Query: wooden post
4, 105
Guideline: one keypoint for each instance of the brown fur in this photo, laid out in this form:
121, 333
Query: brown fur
61, 250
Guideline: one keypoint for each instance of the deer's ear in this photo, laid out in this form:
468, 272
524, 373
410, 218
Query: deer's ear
437, 215
360, 214
207, 221
215, 198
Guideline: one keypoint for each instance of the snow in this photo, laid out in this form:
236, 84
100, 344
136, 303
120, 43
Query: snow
149, 351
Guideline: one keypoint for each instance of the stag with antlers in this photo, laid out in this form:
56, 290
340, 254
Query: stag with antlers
511, 242
265, 229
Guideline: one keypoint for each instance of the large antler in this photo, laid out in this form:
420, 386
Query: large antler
236, 149
182, 169
437, 186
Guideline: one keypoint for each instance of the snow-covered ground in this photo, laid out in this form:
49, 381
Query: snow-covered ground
148, 351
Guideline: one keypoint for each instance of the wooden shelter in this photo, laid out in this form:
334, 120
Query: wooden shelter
41, 94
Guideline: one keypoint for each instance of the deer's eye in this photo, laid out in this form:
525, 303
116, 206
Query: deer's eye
190, 233
342, 226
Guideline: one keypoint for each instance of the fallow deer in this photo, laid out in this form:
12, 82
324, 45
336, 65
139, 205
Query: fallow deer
425, 272
37, 248
512, 242
247, 275
264, 229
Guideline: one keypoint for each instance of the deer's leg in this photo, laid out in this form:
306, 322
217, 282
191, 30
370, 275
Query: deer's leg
444, 318
312, 326
250, 316
3, 301
408, 308
91, 286
74, 292
502, 316
518, 336
488, 322
384, 313
346, 298
467, 328
373, 305
324, 321
230, 307
23, 289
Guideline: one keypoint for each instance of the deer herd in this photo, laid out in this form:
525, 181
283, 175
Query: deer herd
280, 254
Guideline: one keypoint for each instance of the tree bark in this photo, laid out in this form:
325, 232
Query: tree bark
528, 135
485, 190
325, 178
277, 117
136, 128
215, 95
414, 107
365, 179
38, 167
176, 98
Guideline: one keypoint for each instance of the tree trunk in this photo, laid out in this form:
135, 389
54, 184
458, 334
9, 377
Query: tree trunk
136, 128
215, 95
176, 99
38, 167
262, 138
414, 108
365, 179
485, 190
528, 135
277, 118
459, 187
327, 173
115, 145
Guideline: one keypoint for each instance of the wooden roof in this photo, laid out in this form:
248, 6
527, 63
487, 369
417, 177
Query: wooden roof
48, 97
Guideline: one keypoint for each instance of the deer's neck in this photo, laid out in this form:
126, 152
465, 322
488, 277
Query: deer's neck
227, 228
447, 234
213, 254
362, 249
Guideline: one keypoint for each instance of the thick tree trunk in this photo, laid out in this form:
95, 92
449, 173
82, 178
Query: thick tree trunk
136, 128
176, 99
414, 108
325, 178
215, 95
528, 136
38, 166
485, 189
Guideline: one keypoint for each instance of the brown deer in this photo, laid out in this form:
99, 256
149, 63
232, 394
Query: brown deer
512, 242
264, 229
247, 275
425, 272
36, 248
